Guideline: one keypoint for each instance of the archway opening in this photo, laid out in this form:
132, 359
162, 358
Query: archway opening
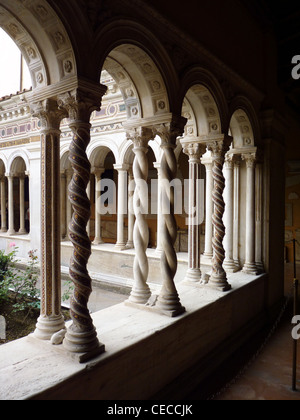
14, 73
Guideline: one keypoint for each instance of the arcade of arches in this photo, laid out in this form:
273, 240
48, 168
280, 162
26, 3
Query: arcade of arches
122, 109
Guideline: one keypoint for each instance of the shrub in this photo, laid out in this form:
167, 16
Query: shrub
19, 285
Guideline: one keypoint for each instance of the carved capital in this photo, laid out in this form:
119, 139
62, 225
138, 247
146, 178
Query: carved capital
232, 160
219, 147
168, 132
140, 137
49, 114
250, 159
80, 103
98, 172
195, 151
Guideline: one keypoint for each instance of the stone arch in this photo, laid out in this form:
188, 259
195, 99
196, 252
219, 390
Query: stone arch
138, 60
98, 151
126, 153
244, 126
42, 39
203, 103
3, 166
64, 158
18, 163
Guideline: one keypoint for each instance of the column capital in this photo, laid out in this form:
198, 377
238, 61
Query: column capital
49, 114
140, 137
193, 150
98, 172
169, 131
250, 159
208, 162
82, 101
122, 168
219, 145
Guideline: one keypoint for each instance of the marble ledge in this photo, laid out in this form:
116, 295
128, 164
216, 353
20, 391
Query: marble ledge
38, 366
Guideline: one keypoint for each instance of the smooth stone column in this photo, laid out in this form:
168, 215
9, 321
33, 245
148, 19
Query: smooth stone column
63, 182
3, 206
258, 211
11, 215
236, 211
122, 205
98, 237
194, 152
229, 264
131, 217
250, 266
51, 319
69, 211
22, 229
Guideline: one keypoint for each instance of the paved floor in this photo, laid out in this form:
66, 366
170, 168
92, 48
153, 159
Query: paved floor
100, 298
269, 377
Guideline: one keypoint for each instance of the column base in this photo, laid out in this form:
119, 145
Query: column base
129, 245
170, 305
3, 230
120, 247
140, 296
250, 268
83, 345
158, 252
219, 283
208, 255
98, 242
46, 326
11, 232
230, 266
22, 232
151, 306
193, 275
260, 267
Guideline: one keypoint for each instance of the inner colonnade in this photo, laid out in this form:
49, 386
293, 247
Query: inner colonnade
90, 132
232, 200
117, 148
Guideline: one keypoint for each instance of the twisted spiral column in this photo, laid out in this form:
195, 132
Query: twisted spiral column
81, 336
168, 300
141, 292
219, 277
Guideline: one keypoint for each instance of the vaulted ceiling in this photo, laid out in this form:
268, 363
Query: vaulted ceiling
283, 16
